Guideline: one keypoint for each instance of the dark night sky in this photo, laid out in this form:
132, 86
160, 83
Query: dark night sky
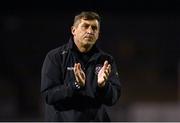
143, 36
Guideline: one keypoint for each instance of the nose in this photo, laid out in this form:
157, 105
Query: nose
90, 30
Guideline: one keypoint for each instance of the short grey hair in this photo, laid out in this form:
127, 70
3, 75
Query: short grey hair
87, 15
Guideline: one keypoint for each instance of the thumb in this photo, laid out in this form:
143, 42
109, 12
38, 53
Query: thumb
105, 63
79, 66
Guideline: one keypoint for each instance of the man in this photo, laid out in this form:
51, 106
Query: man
79, 80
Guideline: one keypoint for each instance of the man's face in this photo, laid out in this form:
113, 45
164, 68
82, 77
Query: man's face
86, 32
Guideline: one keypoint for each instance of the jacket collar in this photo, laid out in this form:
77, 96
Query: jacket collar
71, 44
97, 51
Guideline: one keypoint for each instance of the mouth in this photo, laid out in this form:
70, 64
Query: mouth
89, 37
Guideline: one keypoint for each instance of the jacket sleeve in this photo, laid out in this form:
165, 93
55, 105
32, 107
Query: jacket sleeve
110, 93
53, 88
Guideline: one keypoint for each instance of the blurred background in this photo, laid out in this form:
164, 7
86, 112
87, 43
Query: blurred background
143, 36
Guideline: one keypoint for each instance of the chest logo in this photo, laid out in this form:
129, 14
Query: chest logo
98, 68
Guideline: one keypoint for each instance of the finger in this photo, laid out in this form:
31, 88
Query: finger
106, 72
105, 77
83, 75
80, 74
105, 63
77, 76
75, 72
78, 66
81, 79
75, 68
79, 70
109, 68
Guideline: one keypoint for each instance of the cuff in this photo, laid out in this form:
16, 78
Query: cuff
76, 86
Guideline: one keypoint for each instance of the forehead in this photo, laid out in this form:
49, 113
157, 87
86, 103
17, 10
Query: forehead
90, 22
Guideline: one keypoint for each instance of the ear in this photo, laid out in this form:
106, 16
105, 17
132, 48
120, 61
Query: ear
73, 30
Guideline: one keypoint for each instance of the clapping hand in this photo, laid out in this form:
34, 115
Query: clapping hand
104, 74
79, 74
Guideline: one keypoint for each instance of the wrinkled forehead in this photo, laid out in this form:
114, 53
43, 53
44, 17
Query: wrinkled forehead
93, 22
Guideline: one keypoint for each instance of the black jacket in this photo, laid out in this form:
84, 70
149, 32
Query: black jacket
63, 100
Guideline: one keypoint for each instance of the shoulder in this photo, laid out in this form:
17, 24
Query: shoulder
57, 54
57, 51
107, 55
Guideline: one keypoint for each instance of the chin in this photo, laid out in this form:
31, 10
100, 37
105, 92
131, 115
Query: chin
90, 42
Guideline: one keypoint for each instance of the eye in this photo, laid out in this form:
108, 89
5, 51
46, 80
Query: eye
94, 27
85, 26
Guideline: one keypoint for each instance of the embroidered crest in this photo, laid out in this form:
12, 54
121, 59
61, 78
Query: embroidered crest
98, 68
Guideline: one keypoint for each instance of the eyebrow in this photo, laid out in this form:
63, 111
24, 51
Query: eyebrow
89, 24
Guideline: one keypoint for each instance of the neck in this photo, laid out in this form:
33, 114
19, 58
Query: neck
83, 48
